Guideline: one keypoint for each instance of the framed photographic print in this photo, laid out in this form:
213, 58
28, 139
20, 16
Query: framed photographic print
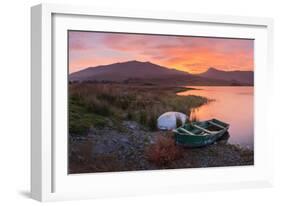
134, 102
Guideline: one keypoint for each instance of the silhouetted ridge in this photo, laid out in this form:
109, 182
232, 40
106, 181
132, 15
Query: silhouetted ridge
137, 71
242, 77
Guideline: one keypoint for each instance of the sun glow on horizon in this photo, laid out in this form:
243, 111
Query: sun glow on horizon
185, 53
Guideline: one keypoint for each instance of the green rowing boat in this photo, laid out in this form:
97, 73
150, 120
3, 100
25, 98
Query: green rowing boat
199, 134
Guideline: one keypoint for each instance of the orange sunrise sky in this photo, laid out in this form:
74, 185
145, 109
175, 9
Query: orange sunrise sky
186, 53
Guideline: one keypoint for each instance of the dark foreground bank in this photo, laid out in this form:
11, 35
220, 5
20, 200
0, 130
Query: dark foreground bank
133, 147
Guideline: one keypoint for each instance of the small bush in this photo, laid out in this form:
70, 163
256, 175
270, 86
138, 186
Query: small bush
164, 151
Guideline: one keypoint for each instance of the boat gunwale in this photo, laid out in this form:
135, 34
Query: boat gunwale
206, 134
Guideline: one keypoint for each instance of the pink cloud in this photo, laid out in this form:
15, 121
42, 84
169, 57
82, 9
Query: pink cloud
186, 53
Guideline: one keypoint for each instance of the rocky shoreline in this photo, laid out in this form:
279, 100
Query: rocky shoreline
124, 148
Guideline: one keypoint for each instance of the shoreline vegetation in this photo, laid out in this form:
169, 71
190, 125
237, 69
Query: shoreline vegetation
113, 127
93, 104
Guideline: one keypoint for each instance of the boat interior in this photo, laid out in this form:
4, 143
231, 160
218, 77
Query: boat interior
201, 128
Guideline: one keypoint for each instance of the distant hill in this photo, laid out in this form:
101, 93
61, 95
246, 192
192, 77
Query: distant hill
146, 72
236, 77
127, 70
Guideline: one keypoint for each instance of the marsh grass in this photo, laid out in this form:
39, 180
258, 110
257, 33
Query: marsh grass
93, 104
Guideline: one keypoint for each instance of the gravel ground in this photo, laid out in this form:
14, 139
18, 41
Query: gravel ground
123, 149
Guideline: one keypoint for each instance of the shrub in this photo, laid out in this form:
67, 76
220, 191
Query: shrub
164, 151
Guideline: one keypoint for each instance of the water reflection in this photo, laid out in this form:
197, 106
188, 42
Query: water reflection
233, 105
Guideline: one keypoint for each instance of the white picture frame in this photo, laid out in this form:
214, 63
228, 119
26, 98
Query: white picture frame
49, 179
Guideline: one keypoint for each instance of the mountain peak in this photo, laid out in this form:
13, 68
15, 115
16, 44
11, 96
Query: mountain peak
123, 71
244, 77
131, 61
135, 62
212, 69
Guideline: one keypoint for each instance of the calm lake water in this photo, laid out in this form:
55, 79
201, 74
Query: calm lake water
233, 105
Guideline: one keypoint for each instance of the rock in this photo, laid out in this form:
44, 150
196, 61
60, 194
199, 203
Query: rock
77, 139
124, 140
131, 125
168, 120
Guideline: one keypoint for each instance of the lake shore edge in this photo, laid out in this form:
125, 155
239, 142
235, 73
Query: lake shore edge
110, 150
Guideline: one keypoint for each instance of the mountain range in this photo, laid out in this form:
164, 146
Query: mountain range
243, 77
147, 72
